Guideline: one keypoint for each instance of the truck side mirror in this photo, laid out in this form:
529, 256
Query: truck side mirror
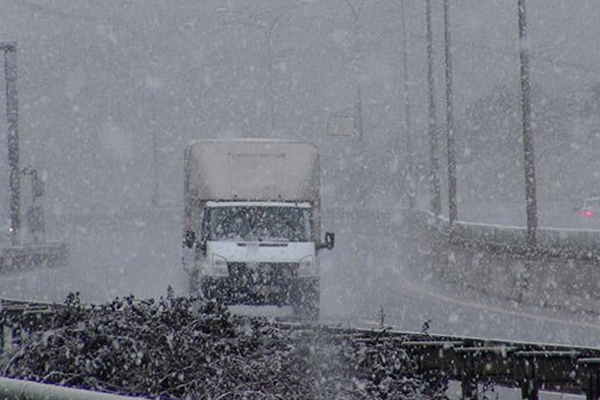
189, 238
329, 241
202, 247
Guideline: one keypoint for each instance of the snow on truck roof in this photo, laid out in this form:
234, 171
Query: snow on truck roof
253, 169
223, 204
247, 140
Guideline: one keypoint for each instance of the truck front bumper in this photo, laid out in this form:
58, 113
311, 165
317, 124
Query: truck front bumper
235, 291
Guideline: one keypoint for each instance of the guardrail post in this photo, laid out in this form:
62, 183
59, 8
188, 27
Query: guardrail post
590, 377
593, 390
468, 382
528, 381
2, 329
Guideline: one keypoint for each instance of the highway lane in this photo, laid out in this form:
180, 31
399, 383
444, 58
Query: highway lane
370, 276
374, 272
109, 257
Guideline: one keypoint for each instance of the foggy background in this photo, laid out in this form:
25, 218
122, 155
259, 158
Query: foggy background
110, 93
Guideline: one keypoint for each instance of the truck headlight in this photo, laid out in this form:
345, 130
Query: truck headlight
307, 266
219, 266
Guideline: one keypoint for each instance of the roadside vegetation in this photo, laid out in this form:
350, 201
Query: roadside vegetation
181, 348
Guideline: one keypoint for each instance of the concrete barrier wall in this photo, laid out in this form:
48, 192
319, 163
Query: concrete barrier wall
562, 271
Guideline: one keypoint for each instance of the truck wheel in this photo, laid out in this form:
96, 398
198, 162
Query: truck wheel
194, 281
305, 300
310, 310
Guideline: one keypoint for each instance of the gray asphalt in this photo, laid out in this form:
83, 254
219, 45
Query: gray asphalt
371, 278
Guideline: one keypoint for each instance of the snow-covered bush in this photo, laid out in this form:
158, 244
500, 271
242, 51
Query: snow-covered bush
178, 347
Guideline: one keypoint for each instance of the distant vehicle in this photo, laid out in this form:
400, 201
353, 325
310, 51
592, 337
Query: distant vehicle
251, 224
590, 209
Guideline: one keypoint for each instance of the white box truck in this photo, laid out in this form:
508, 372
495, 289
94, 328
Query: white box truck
252, 222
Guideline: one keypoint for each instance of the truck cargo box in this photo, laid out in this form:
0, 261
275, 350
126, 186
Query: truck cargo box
253, 169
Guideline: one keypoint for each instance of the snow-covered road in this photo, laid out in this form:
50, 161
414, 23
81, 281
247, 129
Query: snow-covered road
370, 273
372, 270
108, 258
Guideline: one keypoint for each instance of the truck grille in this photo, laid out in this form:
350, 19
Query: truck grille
263, 274
257, 283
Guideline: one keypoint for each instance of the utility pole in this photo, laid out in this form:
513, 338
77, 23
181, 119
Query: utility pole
410, 160
529, 165
434, 179
155, 199
10, 71
357, 69
450, 138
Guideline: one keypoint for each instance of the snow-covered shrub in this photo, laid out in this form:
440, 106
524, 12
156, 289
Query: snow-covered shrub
178, 347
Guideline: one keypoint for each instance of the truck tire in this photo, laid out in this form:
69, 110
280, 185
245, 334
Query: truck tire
305, 299
194, 282
211, 289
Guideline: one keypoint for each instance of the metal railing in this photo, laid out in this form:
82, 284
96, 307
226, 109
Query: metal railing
19, 317
530, 367
573, 244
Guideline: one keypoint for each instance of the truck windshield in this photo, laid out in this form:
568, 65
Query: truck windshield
258, 223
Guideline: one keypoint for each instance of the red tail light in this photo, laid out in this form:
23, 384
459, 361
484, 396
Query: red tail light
586, 213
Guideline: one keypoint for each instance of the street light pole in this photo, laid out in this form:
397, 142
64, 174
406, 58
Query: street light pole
155, 199
451, 142
434, 180
412, 195
10, 70
529, 165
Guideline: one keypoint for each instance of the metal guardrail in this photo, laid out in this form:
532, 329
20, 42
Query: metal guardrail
530, 367
573, 244
20, 317
29, 256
